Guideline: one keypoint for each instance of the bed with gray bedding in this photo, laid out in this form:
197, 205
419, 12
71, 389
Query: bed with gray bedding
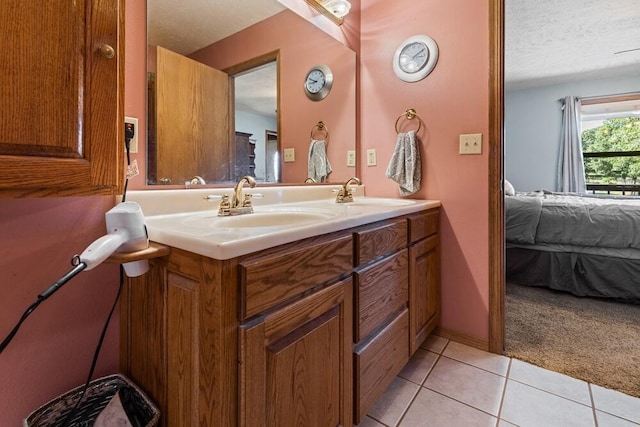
586, 245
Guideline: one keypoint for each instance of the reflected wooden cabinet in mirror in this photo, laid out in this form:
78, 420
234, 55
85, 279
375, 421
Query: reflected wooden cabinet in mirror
244, 156
61, 105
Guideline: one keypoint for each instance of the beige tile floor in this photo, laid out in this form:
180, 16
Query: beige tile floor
450, 384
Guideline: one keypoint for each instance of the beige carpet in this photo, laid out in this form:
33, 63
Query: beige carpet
591, 339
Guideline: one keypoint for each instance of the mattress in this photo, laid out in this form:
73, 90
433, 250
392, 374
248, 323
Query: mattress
576, 220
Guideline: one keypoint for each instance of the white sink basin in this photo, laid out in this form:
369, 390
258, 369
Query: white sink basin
261, 217
270, 219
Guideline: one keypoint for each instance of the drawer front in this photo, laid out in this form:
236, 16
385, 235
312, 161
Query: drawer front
274, 279
379, 241
378, 363
381, 292
424, 224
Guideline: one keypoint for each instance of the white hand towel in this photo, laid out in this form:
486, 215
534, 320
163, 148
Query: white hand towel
319, 166
404, 167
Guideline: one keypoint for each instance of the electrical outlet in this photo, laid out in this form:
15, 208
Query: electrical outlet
351, 157
371, 157
289, 155
471, 143
133, 144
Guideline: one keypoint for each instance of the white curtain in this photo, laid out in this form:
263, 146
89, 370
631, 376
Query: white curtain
571, 177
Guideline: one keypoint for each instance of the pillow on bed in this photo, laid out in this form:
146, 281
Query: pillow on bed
508, 189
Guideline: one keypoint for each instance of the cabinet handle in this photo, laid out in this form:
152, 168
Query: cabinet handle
107, 51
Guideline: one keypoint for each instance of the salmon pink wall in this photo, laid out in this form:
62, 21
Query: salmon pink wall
452, 100
52, 351
301, 47
135, 82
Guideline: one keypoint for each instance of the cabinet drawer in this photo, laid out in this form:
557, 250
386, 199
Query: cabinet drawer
423, 224
381, 240
278, 277
378, 363
381, 292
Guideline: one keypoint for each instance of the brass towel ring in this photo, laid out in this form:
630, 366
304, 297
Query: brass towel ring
320, 127
410, 114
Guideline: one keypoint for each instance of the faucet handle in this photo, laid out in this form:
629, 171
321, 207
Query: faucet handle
225, 206
246, 202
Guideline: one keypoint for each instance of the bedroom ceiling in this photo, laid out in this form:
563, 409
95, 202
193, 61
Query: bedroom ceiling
556, 41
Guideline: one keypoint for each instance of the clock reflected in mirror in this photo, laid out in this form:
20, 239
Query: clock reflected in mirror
415, 58
318, 82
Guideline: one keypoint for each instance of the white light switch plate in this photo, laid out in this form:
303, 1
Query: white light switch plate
371, 157
471, 143
351, 157
289, 155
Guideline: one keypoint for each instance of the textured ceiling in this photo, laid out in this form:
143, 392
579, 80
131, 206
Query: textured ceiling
556, 41
188, 25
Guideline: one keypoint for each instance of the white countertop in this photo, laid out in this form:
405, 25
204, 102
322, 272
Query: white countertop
183, 219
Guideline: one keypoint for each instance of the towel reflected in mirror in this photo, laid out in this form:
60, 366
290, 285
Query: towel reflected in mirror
319, 167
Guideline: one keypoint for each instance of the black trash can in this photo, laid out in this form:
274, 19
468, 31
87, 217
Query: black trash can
98, 395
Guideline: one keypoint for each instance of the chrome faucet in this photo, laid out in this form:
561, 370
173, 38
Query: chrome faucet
344, 195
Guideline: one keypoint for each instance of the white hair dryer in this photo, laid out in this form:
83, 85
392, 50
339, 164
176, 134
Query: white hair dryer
126, 232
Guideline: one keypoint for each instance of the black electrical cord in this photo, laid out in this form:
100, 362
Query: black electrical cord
97, 351
127, 145
43, 296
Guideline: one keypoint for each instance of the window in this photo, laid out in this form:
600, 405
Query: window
611, 144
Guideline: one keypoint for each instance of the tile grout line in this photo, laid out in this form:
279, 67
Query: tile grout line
504, 391
593, 406
421, 385
404, 413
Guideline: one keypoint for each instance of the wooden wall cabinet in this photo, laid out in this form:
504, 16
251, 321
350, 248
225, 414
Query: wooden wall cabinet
310, 333
62, 73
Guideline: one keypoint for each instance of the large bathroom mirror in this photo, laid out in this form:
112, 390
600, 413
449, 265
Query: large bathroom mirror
245, 121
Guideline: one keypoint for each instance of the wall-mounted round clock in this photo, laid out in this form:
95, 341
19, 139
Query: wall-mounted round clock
415, 58
318, 82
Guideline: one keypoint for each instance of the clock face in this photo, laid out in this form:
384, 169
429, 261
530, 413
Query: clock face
315, 81
318, 82
413, 57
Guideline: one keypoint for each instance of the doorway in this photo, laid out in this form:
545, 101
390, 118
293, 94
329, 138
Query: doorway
255, 99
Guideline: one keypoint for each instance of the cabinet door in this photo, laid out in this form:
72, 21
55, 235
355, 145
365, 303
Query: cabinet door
424, 290
296, 363
61, 118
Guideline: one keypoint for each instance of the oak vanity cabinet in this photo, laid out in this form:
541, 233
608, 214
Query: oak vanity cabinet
424, 276
295, 338
61, 103
397, 299
381, 322
308, 333
263, 339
